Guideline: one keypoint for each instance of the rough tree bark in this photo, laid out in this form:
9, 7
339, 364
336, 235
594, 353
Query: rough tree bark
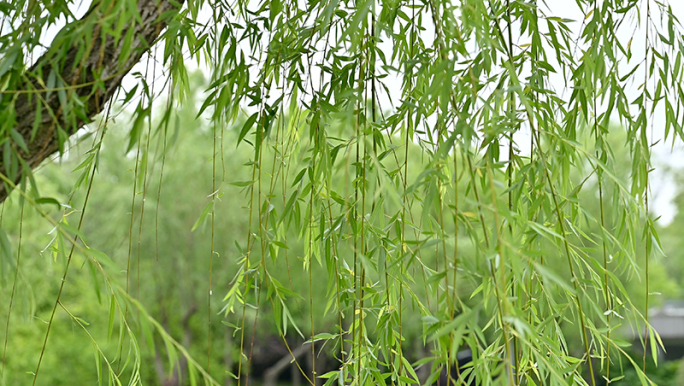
91, 70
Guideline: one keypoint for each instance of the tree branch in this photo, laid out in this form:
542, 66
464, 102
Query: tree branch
271, 375
74, 80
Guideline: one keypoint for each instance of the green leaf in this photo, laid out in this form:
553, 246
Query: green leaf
247, 126
202, 216
19, 140
242, 183
5, 253
137, 129
49, 200
112, 314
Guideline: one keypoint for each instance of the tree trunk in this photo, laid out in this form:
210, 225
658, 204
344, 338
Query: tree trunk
296, 375
90, 69
271, 375
228, 357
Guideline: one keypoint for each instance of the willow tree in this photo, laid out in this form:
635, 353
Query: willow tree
486, 238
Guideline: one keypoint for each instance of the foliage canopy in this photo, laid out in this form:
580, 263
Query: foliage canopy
415, 162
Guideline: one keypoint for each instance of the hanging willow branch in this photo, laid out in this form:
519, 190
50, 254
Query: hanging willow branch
388, 116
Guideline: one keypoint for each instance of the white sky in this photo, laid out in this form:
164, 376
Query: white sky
663, 186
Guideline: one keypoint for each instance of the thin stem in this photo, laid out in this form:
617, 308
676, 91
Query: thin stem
14, 285
561, 219
511, 144
71, 253
646, 150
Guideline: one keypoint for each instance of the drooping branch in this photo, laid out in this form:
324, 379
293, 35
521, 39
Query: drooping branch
73, 81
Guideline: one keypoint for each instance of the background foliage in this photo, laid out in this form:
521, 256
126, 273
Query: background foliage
396, 181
